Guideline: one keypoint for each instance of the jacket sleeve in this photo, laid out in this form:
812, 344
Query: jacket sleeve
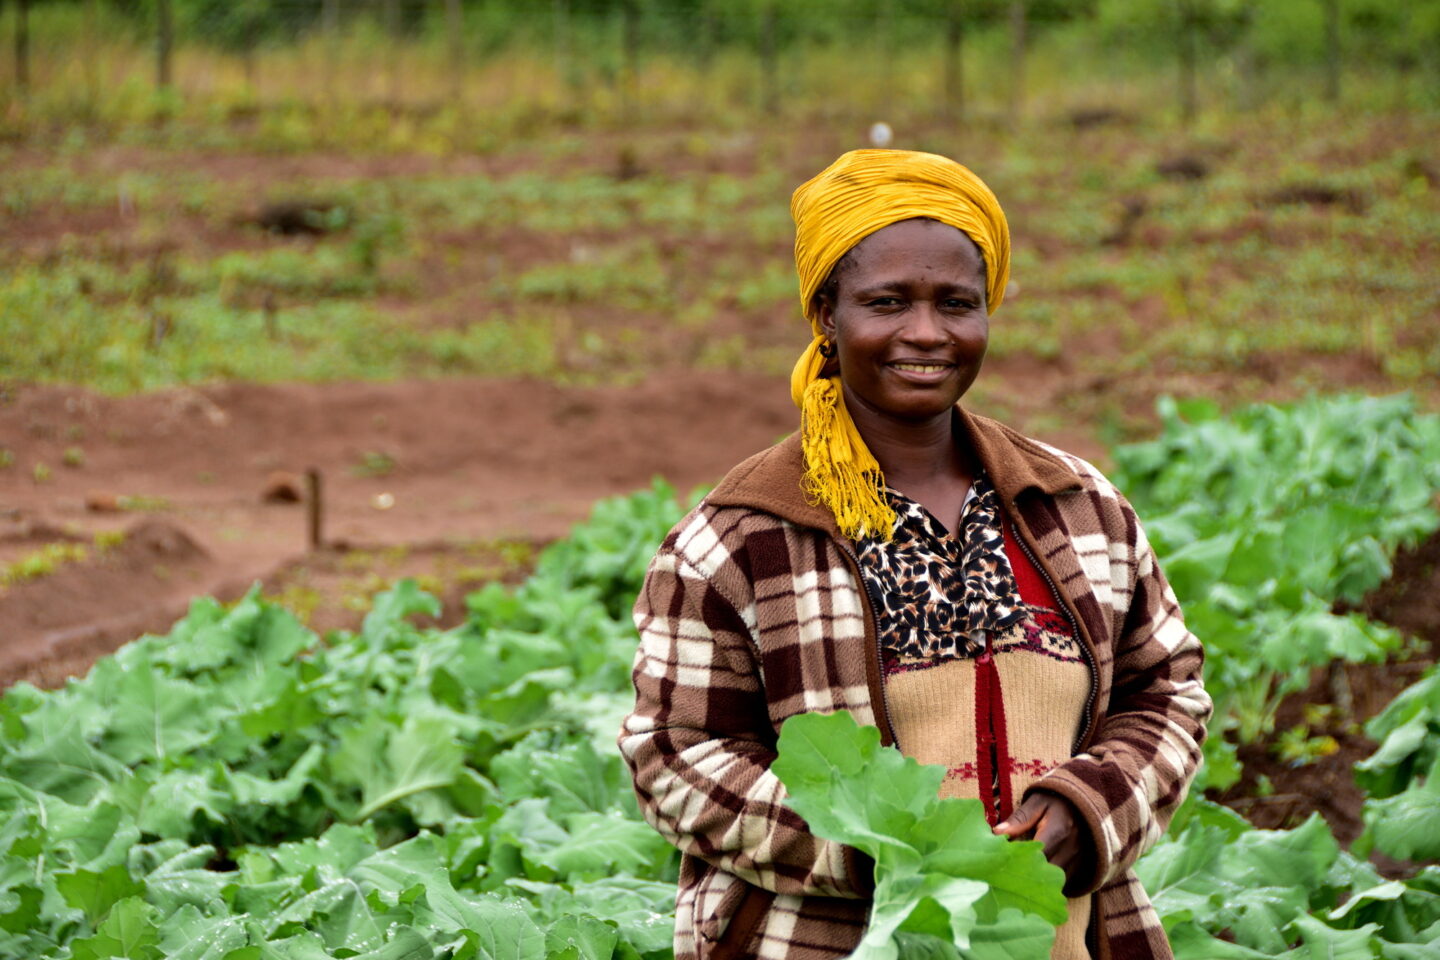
1135, 773
699, 743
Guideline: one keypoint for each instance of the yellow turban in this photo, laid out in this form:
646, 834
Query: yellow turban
858, 194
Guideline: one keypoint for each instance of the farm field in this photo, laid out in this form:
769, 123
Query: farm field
142, 273
480, 316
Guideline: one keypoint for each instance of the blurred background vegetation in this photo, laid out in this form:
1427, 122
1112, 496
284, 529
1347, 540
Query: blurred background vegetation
1234, 198
603, 62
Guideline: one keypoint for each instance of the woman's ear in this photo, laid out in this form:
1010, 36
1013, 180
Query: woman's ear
825, 314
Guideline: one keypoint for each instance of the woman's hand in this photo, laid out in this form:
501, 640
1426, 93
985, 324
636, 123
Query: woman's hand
1053, 820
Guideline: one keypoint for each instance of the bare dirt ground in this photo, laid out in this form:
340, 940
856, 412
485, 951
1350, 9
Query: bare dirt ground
457, 467
442, 462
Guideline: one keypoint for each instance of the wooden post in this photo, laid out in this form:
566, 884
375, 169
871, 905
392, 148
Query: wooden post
22, 46
1187, 39
1018, 42
390, 11
250, 58
91, 54
954, 68
272, 321
560, 14
630, 58
1332, 50
769, 65
885, 55
314, 509
164, 42
330, 34
455, 27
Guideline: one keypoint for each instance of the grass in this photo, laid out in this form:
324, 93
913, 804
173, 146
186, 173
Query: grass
53, 556
506, 233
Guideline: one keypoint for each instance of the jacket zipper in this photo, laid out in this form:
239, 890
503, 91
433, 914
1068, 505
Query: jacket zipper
884, 704
1075, 629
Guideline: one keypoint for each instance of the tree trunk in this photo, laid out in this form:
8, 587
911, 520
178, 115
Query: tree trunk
455, 27
1187, 62
22, 46
1332, 50
1018, 45
954, 69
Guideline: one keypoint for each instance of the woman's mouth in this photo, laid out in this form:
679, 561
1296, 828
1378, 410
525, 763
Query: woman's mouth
921, 367
921, 373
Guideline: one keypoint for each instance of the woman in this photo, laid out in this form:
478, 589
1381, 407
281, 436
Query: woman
989, 602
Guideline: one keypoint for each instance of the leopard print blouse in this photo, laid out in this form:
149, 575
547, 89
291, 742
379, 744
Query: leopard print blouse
937, 593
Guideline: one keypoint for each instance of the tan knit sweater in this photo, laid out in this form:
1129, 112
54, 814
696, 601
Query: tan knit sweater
1044, 684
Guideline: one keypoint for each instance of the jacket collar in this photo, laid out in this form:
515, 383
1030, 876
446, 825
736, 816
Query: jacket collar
770, 480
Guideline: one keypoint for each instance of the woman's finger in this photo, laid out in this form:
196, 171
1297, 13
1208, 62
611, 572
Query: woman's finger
1024, 819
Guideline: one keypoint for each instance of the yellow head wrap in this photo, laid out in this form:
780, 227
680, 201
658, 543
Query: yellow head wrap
858, 194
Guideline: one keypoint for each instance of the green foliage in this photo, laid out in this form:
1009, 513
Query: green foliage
1264, 520
942, 878
1408, 730
240, 788
1225, 891
1402, 777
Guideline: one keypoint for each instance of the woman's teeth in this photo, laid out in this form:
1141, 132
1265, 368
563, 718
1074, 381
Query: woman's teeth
919, 367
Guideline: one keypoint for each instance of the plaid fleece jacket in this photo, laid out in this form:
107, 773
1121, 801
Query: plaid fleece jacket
753, 611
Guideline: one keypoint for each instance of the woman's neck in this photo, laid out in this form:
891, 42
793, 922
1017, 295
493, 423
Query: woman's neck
916, 456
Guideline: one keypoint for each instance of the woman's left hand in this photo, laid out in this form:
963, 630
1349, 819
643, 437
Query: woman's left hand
1053, 820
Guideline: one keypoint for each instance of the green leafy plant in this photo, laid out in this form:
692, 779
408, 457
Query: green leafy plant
942, 878
1225, 890
1408, 730
1263, 520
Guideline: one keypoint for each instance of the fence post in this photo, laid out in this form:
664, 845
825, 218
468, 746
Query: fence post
1332, 50
455, 27
390, 12
954, 69
885, 47
630, 58
164, 41
1018, 42
330, 37
1187, 21
22, 46
91, 54
769, 65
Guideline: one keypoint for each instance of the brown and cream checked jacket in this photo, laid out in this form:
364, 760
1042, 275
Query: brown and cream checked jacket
754, 610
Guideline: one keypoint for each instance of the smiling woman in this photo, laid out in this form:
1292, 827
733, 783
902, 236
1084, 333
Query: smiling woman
989, 602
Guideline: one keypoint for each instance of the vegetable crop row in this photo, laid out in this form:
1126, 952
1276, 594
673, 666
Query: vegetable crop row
243, 789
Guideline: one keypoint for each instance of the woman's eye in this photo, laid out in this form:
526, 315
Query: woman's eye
883, 302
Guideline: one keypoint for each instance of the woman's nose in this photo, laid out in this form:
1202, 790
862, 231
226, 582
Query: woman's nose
925, 326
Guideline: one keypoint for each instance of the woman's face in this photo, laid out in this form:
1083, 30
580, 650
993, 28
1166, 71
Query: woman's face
909, 319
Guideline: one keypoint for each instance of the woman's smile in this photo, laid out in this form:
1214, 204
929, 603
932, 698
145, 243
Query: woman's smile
922, 372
